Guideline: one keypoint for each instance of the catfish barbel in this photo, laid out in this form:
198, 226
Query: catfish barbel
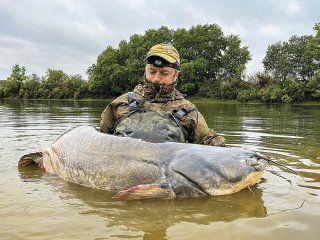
136, 169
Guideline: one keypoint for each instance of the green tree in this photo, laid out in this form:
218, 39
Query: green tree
276, 62
234, 57
271, 94
83, 91
190, 81
205, 42
229, 88
299, 57
52, 84
293, 89
314, 48
30, 87
301, 64
70, 85
12, 85
108, 75
313, 88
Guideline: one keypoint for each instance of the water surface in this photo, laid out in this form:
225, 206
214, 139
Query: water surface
284, 205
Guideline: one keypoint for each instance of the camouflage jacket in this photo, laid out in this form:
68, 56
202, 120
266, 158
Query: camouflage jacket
166, 99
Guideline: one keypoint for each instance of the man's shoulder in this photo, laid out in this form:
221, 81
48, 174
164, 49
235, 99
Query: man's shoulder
138, 89
181, 97
121, 98
183, 103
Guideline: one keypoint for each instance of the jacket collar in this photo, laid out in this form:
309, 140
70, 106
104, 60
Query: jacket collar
158, 93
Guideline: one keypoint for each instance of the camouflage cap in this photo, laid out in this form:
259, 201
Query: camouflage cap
165, 51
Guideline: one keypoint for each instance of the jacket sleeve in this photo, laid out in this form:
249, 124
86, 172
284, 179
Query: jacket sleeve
107, 119
204, 135
113, 112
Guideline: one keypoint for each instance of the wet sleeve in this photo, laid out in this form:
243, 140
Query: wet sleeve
204, 135
106, 121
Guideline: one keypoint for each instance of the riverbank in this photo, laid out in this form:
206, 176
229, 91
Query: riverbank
192, 99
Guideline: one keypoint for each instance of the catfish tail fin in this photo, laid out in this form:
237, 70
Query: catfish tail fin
30, 159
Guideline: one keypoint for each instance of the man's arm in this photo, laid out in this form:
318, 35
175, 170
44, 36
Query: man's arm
113, 112
204, 135
106, 121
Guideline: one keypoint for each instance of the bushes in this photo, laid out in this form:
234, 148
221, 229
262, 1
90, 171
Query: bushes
56, 84
264, 88
30, 88
248, 95
270, 94
229, 88
313, 88
209, 89
258, 88
293, 89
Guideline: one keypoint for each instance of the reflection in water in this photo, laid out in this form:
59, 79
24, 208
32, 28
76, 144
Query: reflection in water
155, 216
31, 172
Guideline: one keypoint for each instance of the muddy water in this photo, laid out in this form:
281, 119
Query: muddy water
284, 205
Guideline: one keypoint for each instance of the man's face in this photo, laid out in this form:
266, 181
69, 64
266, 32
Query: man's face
161, 75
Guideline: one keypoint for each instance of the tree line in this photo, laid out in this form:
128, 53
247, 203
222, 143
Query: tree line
212, 65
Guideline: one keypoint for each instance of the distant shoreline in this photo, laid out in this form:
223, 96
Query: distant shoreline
193, 99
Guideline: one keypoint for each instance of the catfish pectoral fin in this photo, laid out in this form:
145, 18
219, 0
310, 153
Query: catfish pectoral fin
143, 191
30, 159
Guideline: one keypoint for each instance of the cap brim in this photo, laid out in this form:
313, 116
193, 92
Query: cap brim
165, 57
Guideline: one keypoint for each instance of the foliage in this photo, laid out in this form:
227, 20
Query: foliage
212, 65
228, 89
276, 61
313, 88
55, 84
270, 94
189, 82
30, 88
262, 87
247, 95
293, 90
313, 48
12, 85
1, 93
298, 57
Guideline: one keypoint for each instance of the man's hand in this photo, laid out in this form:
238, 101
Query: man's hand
218, 141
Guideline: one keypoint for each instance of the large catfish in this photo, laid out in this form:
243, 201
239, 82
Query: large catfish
135, 169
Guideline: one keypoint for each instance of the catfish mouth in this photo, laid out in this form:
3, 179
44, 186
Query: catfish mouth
192, 184
258, 163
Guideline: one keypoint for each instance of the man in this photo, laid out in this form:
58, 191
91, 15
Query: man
155, 111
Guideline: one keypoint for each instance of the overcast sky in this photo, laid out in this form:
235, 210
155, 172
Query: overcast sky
69, 34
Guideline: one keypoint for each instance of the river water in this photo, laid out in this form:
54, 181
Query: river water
284, 205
